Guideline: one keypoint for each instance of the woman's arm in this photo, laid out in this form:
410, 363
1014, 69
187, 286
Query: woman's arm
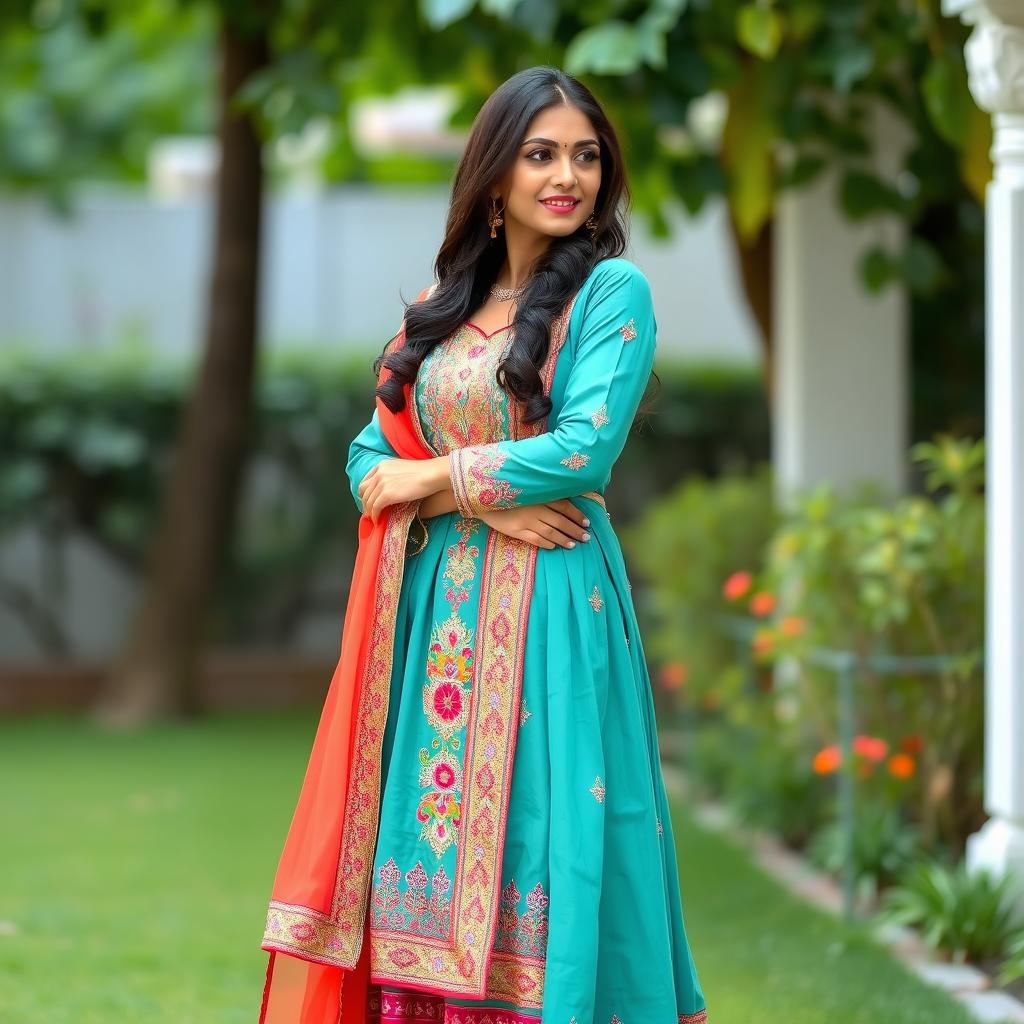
613, 363
438, 503
368, 448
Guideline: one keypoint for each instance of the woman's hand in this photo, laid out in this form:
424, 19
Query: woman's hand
396, 480
554, 524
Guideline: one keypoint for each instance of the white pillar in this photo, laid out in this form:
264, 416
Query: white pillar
995, 62
840, 403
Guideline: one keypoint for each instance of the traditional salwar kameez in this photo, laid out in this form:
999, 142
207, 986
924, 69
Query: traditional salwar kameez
513, 856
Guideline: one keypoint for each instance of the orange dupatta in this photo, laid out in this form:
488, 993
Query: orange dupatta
307, 985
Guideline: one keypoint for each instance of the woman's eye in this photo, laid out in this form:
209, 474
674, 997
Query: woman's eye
589, 154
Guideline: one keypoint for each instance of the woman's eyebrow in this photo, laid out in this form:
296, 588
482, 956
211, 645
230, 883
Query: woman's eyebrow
551, 142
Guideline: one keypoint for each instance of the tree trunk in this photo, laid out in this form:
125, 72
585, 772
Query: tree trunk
755, 267
156, 673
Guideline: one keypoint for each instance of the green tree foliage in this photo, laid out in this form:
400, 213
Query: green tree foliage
86, 87
800, 79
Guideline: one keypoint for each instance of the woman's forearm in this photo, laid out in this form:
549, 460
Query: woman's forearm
438, 503
442, 498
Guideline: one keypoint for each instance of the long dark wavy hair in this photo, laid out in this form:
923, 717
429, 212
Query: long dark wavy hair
469, 259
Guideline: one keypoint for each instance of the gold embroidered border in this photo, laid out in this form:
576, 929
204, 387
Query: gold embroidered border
516, 979
462, 965
700, 1017
474, 480
336, 939
309, 933
510, 977
359, 832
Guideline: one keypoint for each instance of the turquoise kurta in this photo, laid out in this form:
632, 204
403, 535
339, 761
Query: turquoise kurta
590, 924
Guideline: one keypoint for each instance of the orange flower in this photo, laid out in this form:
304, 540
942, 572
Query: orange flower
912, 744
762, 603
792, 625
673, 675
827, 760
737, 585
901, 766
763, 641
874, 748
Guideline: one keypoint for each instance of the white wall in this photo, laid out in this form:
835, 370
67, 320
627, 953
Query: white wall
336, 265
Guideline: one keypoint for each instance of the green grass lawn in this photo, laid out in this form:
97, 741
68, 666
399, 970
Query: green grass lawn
136, 870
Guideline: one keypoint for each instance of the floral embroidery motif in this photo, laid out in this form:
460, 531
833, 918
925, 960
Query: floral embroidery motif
475, 483
520, 930
432, 915
458, 962
386, 1006
525, 933
446, 701
700, 1017
661, 830
476, 459
523, 713
457, 403
595, 599
575, 461
616, 1019
598, 789
459, 412
628, 329
599, 417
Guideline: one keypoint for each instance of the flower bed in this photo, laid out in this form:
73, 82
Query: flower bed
824, 666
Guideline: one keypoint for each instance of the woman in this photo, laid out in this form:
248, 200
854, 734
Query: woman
482, 835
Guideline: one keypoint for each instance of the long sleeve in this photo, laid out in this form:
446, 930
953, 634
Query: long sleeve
368, 447
613, 361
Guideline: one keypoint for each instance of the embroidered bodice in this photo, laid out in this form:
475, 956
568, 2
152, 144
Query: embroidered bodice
458, 400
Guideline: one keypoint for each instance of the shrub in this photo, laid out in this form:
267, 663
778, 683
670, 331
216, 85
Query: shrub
967, 915
905, 578
884, 847
684, 546
87, 441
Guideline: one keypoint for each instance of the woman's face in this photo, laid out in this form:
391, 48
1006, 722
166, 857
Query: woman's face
559, 157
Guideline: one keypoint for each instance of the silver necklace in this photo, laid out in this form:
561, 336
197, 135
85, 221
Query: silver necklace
504, 294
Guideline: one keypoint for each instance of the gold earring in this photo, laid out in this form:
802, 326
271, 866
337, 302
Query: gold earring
495, 218
592, 224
